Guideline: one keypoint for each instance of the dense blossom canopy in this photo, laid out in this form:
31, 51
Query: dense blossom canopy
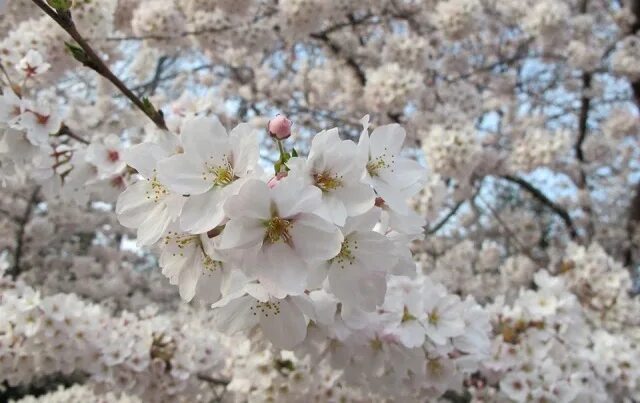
319, 200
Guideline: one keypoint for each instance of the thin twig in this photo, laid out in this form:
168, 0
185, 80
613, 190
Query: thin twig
541, 197
94, 62
22, 224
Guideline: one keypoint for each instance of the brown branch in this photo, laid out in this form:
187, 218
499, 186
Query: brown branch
542, 198
214, 381
446, 218
91, 59
337, 51
22, 224
66, 131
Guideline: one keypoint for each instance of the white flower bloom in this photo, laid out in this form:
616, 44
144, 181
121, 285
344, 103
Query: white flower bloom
443, 311
147, 205
10, 109
394, 178
515, 386
185, 260
39, 121
107, 156
333, 167
358, 274
280, 230
33, 64
209, 169
282, 321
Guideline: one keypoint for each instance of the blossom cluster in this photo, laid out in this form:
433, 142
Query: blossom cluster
312, 256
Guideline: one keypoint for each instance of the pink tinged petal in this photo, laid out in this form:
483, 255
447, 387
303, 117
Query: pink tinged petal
133, 206
253, 200
314, 238
144, 158
285, 326
387, 140
242, 233
292, 196
281, 270
356, 286
234, 315
154, 226
204, 137
203, 212
183, 174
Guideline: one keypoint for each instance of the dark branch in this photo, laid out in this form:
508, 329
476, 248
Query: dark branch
91, 59
446, 218
542, 198
22, 224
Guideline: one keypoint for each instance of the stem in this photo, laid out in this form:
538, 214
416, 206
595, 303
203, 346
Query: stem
22, 224
94, 62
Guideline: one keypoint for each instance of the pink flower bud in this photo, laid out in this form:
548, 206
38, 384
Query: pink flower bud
280, 127
274, 181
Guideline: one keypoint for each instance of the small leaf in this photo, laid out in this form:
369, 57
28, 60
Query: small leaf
294, 153
77, 52
60, 5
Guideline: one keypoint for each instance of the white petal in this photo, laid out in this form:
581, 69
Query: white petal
242, 233
282, 271
183, 174
235, 315
203, 212
154, 226
204, 138
133, 206
314, 238
189, 279
356, 286
287, 328
246, 151
144, 157
387, 140
253, 200
292, 196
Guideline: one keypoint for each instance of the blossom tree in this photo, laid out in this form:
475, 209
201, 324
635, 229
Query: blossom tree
319, 200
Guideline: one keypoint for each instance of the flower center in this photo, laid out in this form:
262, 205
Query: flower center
346, 255
434, 317
219, 175
407, 316
277, 230
375, 165
327, 182
113, 155
158, 190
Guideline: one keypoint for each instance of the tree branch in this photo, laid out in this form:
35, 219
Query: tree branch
22, 223
446, 218
91, 59
541, 197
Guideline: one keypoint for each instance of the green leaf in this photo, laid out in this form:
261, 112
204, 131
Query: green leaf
77, 52
148, 106
60, 5
294, 153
